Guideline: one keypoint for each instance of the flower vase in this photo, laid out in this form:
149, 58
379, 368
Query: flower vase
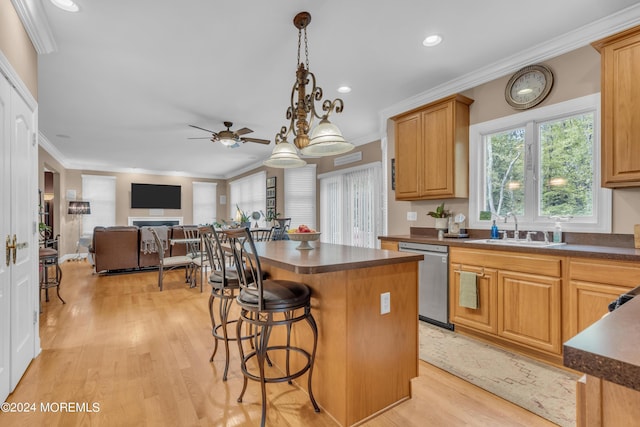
442, 224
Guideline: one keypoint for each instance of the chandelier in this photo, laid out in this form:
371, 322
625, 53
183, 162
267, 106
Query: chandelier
325, 139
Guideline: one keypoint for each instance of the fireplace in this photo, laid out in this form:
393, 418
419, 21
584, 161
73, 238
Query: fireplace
152, 221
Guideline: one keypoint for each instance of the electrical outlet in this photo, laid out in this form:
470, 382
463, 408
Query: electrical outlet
412, 216
385, 303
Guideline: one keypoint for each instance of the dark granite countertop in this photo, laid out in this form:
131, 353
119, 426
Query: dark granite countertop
609, 349
590, 245
326, 257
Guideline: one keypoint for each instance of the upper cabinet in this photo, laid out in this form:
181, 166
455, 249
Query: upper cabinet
432, 150
620, 105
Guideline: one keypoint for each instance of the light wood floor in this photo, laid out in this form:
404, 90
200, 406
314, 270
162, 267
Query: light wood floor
143, 357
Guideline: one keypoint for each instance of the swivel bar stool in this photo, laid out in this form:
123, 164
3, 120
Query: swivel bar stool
224, 284
260, 300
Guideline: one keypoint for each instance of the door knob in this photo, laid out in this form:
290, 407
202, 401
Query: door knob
8, 247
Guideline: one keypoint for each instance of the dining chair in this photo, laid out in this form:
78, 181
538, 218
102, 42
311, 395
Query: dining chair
262, 234
266, 304
280, 230
197, 253
169, 262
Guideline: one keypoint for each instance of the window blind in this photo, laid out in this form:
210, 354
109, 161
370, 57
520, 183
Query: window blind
351, 206
100, 192
204, 202
300, 196
249, 194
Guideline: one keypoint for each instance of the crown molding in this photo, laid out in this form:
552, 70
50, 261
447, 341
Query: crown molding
567, 42
47, 146
34, 20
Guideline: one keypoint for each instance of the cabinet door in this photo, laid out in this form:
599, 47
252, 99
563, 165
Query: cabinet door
621, 103
484, 318
529, 310
436, 152
408, 139
590, 301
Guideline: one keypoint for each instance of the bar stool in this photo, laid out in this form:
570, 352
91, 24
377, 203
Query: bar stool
260, 300
224, 284
48, 256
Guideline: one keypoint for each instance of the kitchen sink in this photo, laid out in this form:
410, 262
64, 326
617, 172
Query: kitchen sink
512, 242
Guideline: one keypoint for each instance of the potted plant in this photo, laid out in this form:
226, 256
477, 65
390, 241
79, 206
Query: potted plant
441, 215
243, 218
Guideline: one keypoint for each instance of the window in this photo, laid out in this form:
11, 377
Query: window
300, 196
100, 192
204, 202
351, 206
541, 165
249, 194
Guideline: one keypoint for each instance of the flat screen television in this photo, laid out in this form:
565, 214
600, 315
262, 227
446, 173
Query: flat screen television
155, 196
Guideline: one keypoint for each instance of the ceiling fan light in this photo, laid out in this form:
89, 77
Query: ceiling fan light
326, 140
284, 156
227, 141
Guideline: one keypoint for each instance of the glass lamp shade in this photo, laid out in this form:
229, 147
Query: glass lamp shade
284, 156
79, 208
227, 141
326, 140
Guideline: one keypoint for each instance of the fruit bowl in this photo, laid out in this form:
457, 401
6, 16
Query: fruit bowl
304, 239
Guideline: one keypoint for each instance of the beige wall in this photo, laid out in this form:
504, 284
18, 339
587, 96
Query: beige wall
576, 74
16, 46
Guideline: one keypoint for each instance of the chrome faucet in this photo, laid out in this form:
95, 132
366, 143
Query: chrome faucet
516, 233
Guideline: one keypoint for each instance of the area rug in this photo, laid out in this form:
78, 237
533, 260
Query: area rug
544, 390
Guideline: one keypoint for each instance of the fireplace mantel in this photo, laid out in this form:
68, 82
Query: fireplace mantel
141, 221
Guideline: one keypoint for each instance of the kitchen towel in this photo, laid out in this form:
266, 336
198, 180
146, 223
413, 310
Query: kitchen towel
468, 290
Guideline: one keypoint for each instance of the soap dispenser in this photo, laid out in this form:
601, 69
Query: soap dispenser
494, 230
557, 233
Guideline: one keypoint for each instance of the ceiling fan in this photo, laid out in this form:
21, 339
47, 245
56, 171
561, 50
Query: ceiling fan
229, 137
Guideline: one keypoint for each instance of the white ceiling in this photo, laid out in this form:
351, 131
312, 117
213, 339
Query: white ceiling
126, 77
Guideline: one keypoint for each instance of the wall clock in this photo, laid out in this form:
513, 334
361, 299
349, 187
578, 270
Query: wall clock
529, 86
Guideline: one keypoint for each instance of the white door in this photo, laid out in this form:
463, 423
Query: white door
5, 230
18, 269
23, 216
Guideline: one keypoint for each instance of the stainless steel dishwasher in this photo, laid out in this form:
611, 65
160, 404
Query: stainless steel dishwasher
433, 282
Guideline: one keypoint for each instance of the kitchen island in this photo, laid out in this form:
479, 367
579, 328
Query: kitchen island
365, 360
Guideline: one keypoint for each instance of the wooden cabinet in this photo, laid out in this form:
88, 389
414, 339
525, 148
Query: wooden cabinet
520, 297
485, 317
620, 103
389, 245
432, 150
529, 310
593, 284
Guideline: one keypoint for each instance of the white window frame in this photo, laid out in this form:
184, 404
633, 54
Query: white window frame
600, 222
204, 202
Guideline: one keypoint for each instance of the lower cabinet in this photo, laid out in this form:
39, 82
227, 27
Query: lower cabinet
485, 317
519, 298
529, 310
593, 284
388, 245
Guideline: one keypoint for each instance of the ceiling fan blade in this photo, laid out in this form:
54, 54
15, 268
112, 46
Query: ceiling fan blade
198, 127
202, 137
257, 140
243, 131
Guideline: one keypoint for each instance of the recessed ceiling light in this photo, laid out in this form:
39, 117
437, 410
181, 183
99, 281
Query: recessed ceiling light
67, 5
432, 40
344, 89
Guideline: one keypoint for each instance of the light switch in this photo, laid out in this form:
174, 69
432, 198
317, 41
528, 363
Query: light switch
412, 216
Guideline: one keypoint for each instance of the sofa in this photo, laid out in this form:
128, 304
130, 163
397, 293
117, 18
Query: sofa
118, 248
